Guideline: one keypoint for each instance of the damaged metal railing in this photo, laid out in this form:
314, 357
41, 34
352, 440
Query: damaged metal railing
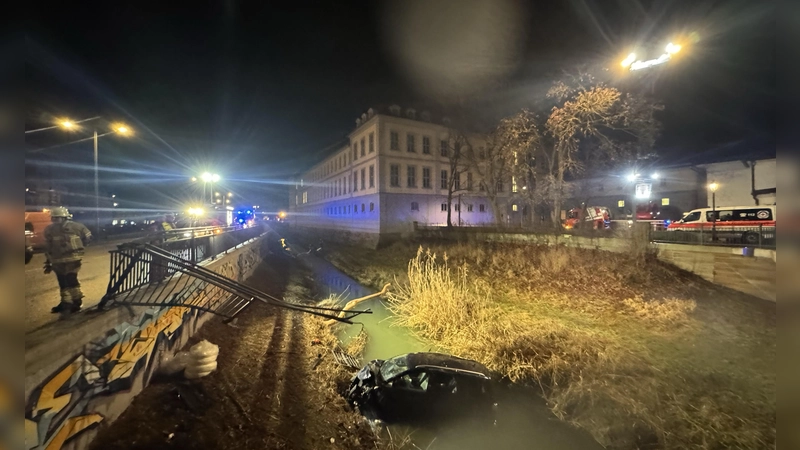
146, 275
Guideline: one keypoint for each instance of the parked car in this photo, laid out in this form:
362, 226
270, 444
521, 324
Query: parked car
424, 387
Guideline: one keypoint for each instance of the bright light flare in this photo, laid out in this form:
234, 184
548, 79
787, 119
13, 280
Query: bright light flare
67, 124
196, 212
632, 176
628, 60
122, 129
672, 48
655, 175
713, 186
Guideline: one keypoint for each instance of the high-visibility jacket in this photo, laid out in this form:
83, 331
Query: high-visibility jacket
65, 241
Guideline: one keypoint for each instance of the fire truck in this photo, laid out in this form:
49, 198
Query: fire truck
598, 217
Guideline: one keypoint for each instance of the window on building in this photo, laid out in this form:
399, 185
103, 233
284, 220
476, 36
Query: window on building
444, 206
514, 207
363, 208
363, 147
482, 207
371, 206
457, 180
394, 175
469, 181
443, 147
372, 176
620, 203
457, 207
355, 208
499, 186
346, 185
444, 179
305, 197
348, 209
665, 201
355, 151
414, 206
371, 142
410, 143
426, 145
411, 176
394, 140
363, 179
426, 177
296, 200
469, 207
514, 184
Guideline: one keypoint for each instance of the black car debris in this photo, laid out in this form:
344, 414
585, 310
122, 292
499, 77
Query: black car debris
423, 388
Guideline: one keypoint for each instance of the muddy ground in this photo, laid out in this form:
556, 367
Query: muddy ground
266, 393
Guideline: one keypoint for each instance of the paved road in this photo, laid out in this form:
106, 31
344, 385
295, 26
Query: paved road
42, 293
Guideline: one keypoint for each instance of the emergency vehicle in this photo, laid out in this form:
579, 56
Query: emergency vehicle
748, 223
598, 217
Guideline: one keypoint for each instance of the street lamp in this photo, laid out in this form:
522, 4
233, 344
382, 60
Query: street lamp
210, 178
713, 186
116, 128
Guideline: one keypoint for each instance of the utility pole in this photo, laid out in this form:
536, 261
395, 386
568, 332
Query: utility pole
96, 188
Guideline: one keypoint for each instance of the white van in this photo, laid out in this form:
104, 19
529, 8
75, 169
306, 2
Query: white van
749, 223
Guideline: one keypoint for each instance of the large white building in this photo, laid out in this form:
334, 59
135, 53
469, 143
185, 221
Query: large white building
392, 172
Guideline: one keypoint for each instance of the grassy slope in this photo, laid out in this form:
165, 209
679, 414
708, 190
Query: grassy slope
637, 352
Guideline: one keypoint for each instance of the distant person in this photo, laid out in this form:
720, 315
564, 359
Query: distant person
64, 245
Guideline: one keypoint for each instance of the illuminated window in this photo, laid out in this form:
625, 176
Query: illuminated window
621, 204
371, 142
444, 206
411, 176
394, 140
305, 197
410, 143
513, 207
426, 177
514, 181
371, 206
414, 206
394, 175
665, 201
481, 208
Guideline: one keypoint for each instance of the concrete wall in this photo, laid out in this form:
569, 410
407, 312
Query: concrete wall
83, 372
735, 182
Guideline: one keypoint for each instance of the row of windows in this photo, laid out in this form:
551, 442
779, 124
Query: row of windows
364, 146
411, 144
444, 181
342, 210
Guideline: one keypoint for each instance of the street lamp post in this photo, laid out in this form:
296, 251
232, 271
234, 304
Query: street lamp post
713, 186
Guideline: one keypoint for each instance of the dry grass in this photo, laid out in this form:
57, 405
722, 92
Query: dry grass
605, 356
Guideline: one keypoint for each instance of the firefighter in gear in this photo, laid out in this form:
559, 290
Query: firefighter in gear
64, 245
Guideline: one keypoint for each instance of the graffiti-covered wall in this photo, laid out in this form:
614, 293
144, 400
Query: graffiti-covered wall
69, 398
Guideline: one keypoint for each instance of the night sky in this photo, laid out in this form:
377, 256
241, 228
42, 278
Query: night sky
256, 91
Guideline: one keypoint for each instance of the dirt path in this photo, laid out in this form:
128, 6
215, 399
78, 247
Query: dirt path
266, 393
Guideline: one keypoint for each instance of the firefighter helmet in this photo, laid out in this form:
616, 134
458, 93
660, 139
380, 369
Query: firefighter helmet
59, 211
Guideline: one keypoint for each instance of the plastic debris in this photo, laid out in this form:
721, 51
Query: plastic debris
202, 360
172, 364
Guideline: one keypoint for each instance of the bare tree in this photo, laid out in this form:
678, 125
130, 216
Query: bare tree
590, 126
458, 149
503, 159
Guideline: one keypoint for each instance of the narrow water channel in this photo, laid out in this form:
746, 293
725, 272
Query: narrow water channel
523, 420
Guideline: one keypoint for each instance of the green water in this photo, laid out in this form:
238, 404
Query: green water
524, 422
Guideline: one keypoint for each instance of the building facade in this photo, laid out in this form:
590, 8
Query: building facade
744, 183
393, 171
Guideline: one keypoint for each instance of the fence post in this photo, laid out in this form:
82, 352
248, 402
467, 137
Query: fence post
193, 251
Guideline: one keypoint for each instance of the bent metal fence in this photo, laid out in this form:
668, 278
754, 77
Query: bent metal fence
146, 274
758, 236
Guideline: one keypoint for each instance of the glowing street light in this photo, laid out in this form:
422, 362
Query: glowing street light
67, 124
713, 186
628, 60
672, 48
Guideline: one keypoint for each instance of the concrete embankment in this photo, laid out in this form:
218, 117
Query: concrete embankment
85, 370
